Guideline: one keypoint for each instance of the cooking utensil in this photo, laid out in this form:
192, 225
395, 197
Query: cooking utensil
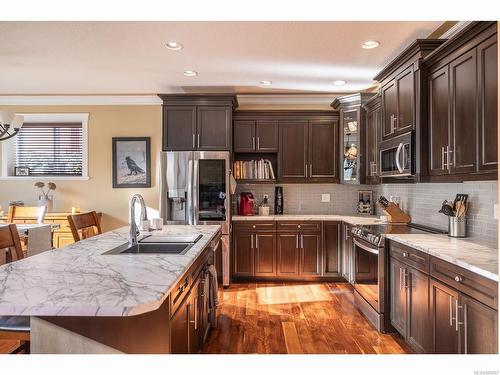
461, 197
458, 208
446, 209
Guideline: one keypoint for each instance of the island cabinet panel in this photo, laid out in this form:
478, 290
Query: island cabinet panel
487, 60
179, 329
439, 118
195, 327
462, 153
243, 253
443, 301
331, 248
293, 140
288, 254
266, 135
323, 136
265, 254
398, 296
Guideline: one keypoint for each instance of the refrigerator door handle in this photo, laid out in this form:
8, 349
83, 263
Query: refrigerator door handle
195, 191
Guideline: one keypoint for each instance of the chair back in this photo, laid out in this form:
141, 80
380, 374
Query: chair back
9, 239
35, 214
87, 223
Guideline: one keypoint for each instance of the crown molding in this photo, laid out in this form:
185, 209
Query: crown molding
80, 100
286, 99
454, 29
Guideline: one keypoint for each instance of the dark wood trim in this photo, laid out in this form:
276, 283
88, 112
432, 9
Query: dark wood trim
200, 99
285, 115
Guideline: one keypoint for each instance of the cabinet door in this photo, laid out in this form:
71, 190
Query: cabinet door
419, 329
195, 308
479, 327
372, 125
442, 313
179, 329
310, 253
179, 128
243, 257
265, 254
405, 118
244, 136
439, 121
292, 150
347, 255
487, 57
331, 249
322, 149
288, 254
463, 85
398, 296
389, 109
213, 128
266, 134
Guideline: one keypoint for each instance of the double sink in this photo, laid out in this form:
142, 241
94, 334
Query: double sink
179, 245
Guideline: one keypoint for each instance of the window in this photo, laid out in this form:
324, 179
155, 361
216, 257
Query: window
50, 145
50, 149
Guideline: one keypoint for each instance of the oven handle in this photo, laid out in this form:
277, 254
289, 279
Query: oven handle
398, 153
364, 247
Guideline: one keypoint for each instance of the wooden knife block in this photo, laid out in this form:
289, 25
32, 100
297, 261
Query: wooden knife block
396, 214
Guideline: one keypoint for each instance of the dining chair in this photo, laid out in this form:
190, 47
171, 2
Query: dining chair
14, 327
26, 213
88, 223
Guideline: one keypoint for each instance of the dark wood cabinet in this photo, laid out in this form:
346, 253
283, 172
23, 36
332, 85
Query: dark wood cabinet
463, 107
389, 105
195, 332
347, 253
293, 141
373, 126
398, 296
179, 328
243, 253
244, 136
418, 329
405, 99
443, 301
288, 254
331, 248
322, 138
255, 135
487, 67
310, 253
265, 254
197, 122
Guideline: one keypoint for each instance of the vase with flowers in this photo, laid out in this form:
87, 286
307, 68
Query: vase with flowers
45, 199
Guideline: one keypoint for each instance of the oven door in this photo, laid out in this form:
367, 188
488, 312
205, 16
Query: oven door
397, 156
366, 273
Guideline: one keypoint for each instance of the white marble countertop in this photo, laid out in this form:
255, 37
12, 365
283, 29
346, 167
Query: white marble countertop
348, 218
79, 281
476, 257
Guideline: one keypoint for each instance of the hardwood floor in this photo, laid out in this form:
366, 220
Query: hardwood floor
7, 346
295, 318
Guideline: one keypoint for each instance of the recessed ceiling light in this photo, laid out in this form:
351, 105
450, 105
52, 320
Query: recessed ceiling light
265, 83
175, 46
369, 44
190, 73
339, 82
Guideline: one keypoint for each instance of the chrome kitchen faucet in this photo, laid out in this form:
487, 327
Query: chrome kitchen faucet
134, 231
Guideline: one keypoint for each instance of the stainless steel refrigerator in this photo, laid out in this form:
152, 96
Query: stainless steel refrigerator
194, 190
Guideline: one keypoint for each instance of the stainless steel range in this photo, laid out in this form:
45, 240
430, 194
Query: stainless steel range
371, 268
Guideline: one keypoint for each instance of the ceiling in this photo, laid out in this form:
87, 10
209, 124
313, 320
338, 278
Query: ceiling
131, 57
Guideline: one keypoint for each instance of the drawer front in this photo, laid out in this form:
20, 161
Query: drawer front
255, 225
410, 256
478, 287
308, 226
178, 293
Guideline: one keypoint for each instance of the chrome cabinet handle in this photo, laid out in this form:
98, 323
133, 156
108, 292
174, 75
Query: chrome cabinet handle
395, 123
458, 279
406, 276
310, 170
256, 241
400, 278
253, 143
448, 152
451, 311
194, 141
301, 241
198, 140
251, 241
297, 241
465, 328
442, 158
457, 322
405, 254
347, 232
258, 143
306, 169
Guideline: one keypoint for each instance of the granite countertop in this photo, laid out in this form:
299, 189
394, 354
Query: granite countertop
348, 218
476, 257
79, 281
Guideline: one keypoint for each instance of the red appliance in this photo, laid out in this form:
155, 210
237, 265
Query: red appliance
246, 204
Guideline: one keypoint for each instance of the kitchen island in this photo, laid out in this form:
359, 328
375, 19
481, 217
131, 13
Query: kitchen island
84, 301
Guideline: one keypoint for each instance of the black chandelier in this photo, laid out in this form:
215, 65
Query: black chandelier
10, 123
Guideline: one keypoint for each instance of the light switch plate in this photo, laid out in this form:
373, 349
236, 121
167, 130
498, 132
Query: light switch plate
325, 198
495, 211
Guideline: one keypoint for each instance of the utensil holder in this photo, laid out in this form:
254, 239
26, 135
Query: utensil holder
457, 227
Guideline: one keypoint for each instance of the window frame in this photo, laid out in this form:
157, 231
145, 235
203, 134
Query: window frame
9, 146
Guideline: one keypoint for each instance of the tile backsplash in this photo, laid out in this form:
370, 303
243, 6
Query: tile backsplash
421, 201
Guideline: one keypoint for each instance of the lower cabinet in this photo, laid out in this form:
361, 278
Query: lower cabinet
288, 254
265, 254
443, 303
179, 328
299, 254
347, 253
331, 249
243, 256
310, 254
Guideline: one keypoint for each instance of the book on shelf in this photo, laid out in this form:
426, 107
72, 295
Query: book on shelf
253, 170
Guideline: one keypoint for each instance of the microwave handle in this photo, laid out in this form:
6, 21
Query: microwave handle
398, 153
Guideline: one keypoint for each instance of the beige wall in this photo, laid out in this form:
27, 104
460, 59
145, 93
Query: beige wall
97, 193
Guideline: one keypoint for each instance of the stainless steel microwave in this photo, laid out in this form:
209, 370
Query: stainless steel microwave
397, 156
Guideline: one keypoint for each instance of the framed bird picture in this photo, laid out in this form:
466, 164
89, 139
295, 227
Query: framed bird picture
132, 162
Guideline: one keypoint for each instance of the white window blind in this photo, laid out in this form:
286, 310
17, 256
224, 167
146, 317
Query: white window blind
50, 149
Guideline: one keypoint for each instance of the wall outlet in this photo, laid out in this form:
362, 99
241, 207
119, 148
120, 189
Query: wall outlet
495, 211
266, 196
325, 198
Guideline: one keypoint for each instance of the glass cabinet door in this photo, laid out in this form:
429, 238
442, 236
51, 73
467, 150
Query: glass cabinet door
350, 144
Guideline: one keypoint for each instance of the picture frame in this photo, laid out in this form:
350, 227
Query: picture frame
131, 162
21, 171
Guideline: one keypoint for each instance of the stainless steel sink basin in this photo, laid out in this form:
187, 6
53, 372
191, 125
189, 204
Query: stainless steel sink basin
152, 248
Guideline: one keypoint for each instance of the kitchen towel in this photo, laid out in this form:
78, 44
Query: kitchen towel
39, 239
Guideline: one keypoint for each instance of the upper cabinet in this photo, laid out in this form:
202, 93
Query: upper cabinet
462, 86
255, 135
197, 122
352, 137
373, 129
